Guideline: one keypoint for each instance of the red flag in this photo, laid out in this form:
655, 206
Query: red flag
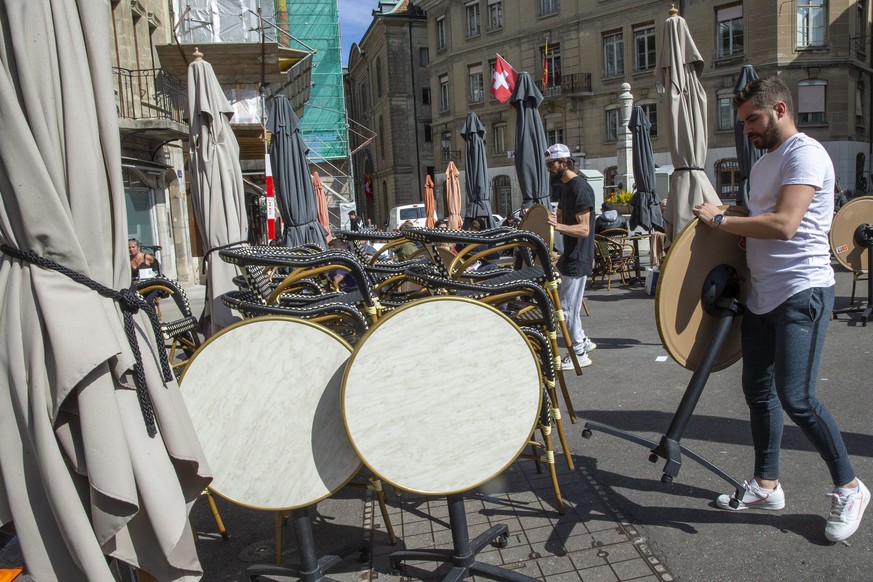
502, 80
546, 66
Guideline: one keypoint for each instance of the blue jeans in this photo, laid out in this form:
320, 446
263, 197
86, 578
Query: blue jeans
781, 356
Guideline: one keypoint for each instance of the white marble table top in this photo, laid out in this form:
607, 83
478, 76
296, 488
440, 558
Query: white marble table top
264, 398
441, 395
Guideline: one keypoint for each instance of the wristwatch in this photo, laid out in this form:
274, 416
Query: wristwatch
717, 220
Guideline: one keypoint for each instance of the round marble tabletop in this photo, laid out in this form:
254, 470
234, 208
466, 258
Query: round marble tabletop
263, 395
441, 395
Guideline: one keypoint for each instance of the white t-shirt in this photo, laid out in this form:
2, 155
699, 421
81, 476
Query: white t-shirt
782, 268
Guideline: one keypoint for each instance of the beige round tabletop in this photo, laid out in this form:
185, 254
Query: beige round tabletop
683, 324
263, 395
441, 395
846, 249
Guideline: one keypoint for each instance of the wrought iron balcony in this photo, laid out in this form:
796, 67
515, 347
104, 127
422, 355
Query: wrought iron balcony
573, 84
149, 94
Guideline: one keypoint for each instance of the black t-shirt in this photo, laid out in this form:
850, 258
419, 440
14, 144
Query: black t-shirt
578, 257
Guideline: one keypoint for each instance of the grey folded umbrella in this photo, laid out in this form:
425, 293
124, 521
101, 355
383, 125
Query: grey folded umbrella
645, 206
294, 194
476, 166
98, 455
747, 153
530, 143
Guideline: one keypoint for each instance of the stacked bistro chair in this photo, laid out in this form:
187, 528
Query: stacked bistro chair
613, 255
306, 291
180, 335
535, 266
512, 297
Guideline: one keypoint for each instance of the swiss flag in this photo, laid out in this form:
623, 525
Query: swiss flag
502, 80
368, 187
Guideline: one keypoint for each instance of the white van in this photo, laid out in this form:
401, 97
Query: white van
400, 214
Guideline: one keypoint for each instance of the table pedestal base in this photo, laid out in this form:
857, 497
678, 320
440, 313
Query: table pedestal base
311, 568
463, 554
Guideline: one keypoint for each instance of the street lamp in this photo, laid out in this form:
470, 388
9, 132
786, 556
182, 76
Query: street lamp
446, 142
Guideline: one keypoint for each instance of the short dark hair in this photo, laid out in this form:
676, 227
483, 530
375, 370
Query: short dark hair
765, 93
606, 206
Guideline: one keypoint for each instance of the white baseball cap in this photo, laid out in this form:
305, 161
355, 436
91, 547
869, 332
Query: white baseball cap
558, 151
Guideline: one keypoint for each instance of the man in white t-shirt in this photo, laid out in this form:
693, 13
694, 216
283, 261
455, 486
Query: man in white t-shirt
791, 204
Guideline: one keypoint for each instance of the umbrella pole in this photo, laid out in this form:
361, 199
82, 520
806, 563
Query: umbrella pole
724, 309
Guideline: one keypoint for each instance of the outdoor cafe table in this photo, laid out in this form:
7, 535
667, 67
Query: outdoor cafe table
635, 241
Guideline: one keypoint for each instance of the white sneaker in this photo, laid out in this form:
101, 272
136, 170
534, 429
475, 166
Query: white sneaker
567, 362
755, 498
846, 513
589, 345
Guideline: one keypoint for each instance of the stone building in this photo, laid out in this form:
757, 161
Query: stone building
819, 47
388, 97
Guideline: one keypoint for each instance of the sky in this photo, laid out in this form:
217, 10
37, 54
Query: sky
354, 18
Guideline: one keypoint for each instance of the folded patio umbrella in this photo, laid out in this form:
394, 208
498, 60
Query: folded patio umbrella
216, 186
98, 456
645, 206
678, 69
294, 195
476, 175
747, 153
321, 203
453, 197
530, 143
429, 202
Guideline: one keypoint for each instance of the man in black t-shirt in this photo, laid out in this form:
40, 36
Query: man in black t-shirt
574, 219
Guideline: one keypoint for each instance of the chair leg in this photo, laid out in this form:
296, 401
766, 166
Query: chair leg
376, 485
555, 414
546, 431
219, 523
585, 307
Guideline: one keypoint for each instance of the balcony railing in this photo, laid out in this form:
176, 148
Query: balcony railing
572, 84
149, 94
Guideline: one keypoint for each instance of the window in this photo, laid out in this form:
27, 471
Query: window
651, 111
610, 175
861, 27
441, 33
548, 7
444, 93
729, 31
378, 76
727, 178
613, 54
381, 138
428, 133
725, 113
554, 128
425, 95
502, 203
495, 14
498, 134
613, 124
473, 27
423, 56
552, 61
859, 104
644, 48
811, 101
477, 92
811, 23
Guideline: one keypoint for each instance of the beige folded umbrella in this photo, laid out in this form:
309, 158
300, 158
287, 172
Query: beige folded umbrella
216, 185
86, 470
453, 196
678, 69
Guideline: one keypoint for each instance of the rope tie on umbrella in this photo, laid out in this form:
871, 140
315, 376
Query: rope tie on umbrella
131, 302
689, 169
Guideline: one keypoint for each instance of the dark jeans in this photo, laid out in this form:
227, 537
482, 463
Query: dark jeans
781, 356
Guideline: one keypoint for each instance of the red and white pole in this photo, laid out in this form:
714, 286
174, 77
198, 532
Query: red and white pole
271, 200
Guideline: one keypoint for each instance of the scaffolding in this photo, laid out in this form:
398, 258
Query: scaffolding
309, 25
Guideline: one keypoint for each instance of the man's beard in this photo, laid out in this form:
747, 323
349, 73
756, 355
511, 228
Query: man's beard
769, 138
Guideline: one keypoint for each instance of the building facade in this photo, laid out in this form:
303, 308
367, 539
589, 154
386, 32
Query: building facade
388, 96
582, 51
151, 104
